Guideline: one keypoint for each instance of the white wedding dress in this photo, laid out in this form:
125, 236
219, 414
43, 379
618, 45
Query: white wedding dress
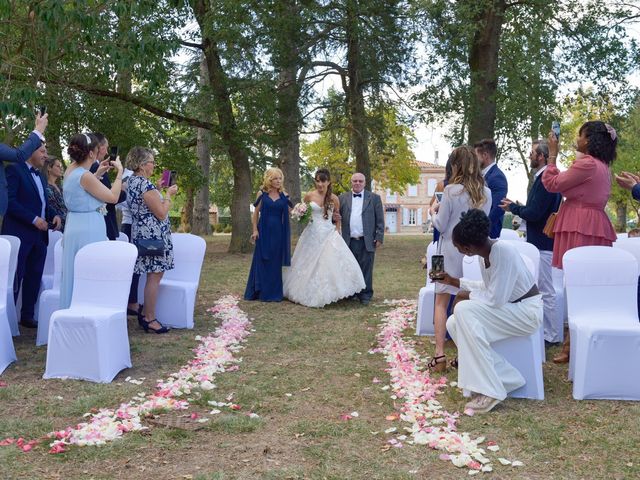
323, 269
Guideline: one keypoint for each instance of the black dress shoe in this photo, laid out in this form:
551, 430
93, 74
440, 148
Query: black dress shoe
29, 323
365, 301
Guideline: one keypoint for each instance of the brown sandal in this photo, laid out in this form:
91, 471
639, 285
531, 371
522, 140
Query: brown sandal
438, 364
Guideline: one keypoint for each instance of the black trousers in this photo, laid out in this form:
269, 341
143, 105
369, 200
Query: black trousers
365, 260
133, 290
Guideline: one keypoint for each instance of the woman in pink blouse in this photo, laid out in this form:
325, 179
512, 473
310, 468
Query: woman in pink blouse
586, 186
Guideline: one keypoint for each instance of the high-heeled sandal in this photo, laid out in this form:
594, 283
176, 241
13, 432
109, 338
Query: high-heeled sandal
135, 313
147, 325
454, 363
438, 363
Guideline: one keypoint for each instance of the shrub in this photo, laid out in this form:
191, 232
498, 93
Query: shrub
227, 229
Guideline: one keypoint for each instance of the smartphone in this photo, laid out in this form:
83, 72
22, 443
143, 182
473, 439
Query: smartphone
439, 196
113, 154
555, 126
165, 178
173, 176
437, 266
42, 109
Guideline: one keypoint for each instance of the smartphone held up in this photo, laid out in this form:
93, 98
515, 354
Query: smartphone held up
437, 267
168, 178
555, 127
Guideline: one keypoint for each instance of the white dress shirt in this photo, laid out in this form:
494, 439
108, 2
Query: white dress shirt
487, 168
38, 181
355, 222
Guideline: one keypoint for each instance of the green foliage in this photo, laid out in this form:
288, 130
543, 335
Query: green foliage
393, 163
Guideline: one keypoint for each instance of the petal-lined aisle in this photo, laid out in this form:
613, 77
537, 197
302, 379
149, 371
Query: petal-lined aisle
214, 354
414, 392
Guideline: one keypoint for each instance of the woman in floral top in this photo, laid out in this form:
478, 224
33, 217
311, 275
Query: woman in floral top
150, 221
53, 171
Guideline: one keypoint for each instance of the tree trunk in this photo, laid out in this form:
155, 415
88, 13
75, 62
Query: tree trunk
200, 224
241, 199
289, 122
357, 128
186, 216
483, 66
621, 217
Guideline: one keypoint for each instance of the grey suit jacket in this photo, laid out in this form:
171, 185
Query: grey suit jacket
372, 218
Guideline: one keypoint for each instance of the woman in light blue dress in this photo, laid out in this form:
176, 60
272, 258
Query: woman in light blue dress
84, 196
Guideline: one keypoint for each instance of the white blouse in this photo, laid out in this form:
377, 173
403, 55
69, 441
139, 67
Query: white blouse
505, 280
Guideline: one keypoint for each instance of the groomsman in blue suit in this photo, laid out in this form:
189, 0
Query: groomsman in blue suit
26, 218
540, 205
486, 151
20, 154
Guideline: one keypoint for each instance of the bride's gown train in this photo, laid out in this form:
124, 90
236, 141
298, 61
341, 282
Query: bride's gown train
323, 269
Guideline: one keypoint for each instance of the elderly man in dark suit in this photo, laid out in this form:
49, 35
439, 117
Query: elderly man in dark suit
540, 205
27, 215
495, 179
20, 154
362, 229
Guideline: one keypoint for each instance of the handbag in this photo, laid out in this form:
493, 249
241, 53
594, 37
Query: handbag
551, 221
150, 247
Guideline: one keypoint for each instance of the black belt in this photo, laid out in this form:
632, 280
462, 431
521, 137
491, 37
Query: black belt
357, 238
531, 293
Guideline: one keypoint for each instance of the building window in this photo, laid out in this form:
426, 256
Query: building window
431, 186
412, 216
391, 197
412, 191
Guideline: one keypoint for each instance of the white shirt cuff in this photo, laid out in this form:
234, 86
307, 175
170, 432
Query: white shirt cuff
40, 136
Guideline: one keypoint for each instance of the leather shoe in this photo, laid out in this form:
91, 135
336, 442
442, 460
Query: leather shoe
365, 301
29, 323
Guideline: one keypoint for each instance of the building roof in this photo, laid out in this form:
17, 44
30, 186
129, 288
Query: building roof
422, 163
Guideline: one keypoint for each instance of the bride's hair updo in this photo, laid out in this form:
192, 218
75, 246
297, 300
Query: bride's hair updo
323, 175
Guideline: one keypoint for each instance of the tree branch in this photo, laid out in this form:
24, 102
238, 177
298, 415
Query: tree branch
184, 43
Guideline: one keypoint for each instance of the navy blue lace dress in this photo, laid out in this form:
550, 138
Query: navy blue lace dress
273, 250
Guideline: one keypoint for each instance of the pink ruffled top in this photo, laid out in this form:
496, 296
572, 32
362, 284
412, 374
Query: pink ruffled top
586, 186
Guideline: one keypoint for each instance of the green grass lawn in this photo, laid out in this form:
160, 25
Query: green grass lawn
302, 369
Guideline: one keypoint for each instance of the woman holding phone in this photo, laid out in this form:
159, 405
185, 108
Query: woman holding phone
586, 185
465, 190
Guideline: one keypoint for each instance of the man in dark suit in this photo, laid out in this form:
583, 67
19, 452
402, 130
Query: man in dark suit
20, 154
26, 218
110, 219
540, 205
486, 151
362, 229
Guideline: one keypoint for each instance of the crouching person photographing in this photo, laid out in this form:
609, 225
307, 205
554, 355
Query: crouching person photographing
506, 303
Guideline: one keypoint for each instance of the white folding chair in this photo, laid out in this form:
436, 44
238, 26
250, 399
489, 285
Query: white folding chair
508, 234
601, 286
622, 235
49, 300
178, 287
12, 311
7, 351
89, 340
122, 237
426, 300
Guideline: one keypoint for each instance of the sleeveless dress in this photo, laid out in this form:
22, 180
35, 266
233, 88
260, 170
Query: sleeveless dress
272, 252
84, 225
323, 269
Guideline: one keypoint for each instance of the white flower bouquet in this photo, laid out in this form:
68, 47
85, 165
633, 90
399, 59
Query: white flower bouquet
301, 212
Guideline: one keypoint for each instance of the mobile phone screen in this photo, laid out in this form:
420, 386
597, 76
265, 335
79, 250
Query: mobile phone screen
173, 176
439, 196
113, 153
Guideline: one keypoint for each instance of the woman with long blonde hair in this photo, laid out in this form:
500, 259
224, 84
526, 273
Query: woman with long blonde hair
272, 237
465, 190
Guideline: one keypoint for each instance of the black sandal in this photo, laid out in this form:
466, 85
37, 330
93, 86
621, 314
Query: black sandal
454, 363
438, 363
147, 325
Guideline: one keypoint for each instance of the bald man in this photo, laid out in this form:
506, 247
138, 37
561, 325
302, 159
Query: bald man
362, 229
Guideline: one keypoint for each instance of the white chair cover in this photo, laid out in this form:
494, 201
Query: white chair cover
49, 300
122, 237
508, 234
601, 287
631, 245
7, 351
89, 340
622, 235
49, 269
426, 299
178, 287
560, 313
12, 311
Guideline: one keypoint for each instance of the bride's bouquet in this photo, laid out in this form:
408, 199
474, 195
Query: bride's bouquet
301, 212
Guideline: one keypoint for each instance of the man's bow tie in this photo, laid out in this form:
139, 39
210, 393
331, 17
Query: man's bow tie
34, 171
357, 195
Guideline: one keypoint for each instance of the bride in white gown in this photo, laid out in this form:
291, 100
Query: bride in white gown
323, 269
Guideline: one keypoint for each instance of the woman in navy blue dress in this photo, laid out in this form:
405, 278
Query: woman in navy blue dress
272, 236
